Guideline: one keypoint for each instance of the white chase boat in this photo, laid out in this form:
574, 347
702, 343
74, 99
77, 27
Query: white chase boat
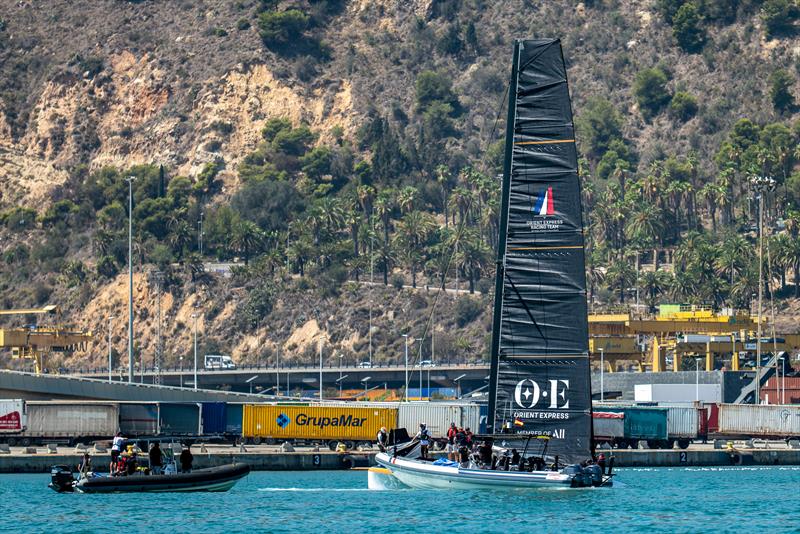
540, 375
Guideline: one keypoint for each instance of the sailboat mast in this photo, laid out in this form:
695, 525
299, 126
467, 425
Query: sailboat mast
501, 242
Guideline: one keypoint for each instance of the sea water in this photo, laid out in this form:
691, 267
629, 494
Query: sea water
755, 499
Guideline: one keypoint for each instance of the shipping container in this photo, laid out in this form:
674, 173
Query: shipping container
608, 427
179, 419
683, 422
214, 416
783, 390
138, 419
70, 421
13, 418
645, 423
233, 419
437, 416
316, 423
763, 421
677, 392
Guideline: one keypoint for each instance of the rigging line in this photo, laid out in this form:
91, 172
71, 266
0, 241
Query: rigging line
461, 227
525, 306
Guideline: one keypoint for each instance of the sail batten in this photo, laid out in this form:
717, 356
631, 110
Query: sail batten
539, 383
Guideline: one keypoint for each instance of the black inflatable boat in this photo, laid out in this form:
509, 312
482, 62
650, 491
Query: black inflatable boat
220, 478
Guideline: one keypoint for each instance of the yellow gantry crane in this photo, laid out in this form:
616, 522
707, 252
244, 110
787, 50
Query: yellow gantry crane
624, 337
36, 342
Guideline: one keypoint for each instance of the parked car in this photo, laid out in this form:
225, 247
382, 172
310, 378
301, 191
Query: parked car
425, 363
365, 365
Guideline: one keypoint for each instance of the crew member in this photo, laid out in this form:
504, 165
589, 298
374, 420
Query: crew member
186, 459
601, 461
131, 465
424, 438
452, 446
156, 463
485, 453
383, 439
117, 446
86, 464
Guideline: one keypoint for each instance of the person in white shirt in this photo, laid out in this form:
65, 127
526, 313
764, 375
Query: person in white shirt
117, 445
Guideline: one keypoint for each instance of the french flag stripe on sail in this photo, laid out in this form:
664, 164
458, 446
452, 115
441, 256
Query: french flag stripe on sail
544, 202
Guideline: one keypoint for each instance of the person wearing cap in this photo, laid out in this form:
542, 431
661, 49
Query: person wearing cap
424, 438
452, 446
383, 439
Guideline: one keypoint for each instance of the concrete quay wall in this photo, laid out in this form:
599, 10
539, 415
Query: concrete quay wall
698, 458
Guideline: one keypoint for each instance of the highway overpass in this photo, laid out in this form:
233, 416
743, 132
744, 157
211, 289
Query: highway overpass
467, 377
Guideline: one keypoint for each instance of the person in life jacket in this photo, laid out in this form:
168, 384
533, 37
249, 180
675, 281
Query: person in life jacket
424, 438
117, 445
383, 439
601, 461
452, 446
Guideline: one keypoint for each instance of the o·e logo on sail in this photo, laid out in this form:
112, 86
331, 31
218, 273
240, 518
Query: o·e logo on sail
527, 394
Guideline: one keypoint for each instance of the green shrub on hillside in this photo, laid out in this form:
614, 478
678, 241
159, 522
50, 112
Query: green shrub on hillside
18, 218
598, 124
780, 90
433, 87
687, 28
281, 27
650, 91
683, 106
779, 17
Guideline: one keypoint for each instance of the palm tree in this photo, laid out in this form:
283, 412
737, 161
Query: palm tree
407, 198
653, 284
384, 205
620, 276
180, 237
385, 255
366, 197
412, 231
473, 256
443, 179
246, 239
734, 256
300, 252
644, 228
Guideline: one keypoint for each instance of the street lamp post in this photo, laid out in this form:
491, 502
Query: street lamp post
405, 392
602, 370
761, 184
457, 380
181, 373
130, 181
320, 370
419, 362
110, 318
194, 316
278, 371
366, 380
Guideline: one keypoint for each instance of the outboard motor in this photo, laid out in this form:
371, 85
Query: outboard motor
578, 475
596, 474
61, 479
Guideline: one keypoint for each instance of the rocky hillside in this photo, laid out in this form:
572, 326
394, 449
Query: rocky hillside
268, 116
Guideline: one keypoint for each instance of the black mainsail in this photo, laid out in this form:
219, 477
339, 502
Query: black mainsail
540, 381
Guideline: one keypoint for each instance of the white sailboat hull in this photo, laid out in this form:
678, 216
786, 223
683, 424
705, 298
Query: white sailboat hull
425, 475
